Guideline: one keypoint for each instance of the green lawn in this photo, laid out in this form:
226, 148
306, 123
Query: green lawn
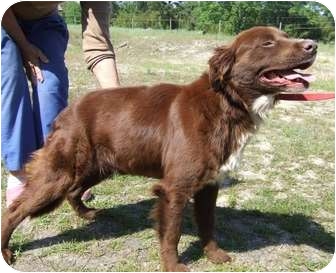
275, 213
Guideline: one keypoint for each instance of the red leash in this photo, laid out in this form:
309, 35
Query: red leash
306, 96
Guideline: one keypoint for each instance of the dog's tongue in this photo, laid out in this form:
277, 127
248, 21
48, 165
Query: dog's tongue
293, 75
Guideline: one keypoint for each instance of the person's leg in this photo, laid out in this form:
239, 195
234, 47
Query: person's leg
18, 139
50, 96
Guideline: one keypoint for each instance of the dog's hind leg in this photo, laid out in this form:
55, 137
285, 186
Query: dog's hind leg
204, 208
74, 198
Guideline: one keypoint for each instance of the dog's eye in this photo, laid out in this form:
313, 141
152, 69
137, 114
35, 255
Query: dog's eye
268, 43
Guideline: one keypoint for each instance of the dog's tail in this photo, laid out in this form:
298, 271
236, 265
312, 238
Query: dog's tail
43, 191
160, 191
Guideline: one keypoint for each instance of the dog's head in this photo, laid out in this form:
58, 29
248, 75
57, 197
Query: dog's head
264, 59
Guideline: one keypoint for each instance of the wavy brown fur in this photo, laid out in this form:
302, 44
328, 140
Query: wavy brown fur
180, 134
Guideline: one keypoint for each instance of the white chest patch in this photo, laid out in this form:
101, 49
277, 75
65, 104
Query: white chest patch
233, 161
259, 109
262, 105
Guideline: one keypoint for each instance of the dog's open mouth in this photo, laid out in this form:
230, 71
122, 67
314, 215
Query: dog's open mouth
289, 78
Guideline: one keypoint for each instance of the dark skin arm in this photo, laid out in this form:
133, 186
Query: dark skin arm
32, 56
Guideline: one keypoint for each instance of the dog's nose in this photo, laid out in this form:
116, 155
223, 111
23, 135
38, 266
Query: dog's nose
309, 46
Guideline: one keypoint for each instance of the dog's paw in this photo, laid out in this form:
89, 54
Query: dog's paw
218, 256
7, 255
90, 214
180, 268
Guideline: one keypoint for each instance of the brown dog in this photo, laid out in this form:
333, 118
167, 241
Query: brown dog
184, 135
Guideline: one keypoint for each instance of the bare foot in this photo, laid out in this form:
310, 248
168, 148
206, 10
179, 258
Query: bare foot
218, 256
87, 195
179, 268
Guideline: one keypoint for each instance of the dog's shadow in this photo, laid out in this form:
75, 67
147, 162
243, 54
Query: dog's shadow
237, 230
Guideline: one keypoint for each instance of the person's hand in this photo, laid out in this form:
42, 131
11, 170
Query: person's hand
32, 56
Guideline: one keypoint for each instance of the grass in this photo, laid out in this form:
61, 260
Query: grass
275, 213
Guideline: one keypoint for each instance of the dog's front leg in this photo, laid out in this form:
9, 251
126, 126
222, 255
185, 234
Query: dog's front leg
204, 208
168, 213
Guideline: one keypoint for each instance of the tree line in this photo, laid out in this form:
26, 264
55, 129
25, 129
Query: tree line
298, 18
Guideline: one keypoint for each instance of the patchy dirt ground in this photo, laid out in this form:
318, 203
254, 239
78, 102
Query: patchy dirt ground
276, 213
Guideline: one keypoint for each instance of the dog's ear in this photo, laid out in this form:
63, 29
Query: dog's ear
220, 65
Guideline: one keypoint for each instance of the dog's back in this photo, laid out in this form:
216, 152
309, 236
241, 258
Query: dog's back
126, 129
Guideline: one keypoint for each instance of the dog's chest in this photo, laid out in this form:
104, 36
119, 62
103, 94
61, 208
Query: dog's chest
233, 161
259, 109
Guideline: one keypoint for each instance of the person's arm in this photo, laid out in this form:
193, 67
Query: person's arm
31, 54
106, 73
